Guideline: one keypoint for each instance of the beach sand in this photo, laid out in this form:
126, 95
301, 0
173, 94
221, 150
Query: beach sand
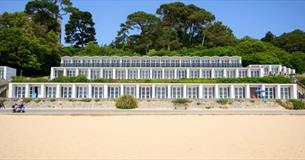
152, 137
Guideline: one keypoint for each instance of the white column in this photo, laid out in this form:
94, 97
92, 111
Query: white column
212, 73
150, 74
269, 69
113, 73
89, 91
153, 91
126, 73
280, 69
278, 92
102, 74
58, 91
263, 93
10, 90
187, 73
27, 91
163, 73
225, 73
249, 72
89, 73
232, 93
200, 73
216, 91
200, 91
42, 91
236, 73
65, 72
5, 73
76, 72
121, 90
247, 90
137, 91
169, 96
52, 73
139, 76
261, 72
184, 91
294, 94
73, 91
175, 73
105, 91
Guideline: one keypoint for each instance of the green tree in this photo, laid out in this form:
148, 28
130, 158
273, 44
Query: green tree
217, 34
167, 39
80, 29
292, 41
269, 37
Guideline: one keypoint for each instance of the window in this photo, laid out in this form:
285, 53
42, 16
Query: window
169, 74
161, 92
132, 74
120, 74
231, 74
181, 73
239, 92
130, 90
192, 92
270, 92
97, 92
224, 92
206, 74
145, 74
19, 92
177, 92
208, 92
156, 74
218, 74
81, 92
194, 73
145, 92
195, 63
51, 92
255, 73
70, 73
95, 74
83, 72
114, 92
66, 92
285, 92
107, 74
1, 73
243, 73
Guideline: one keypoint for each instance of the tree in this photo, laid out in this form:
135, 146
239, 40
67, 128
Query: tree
80, 29
167, 39
292, 41
269, 37
218, 34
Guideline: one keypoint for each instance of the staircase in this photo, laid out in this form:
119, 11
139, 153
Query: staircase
3, 88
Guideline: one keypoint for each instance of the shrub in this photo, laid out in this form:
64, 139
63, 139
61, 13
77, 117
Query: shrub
222, 101
27, 100
297, 104
85, 100
181, 101
97, 100
52, 100
37, 100
126, 102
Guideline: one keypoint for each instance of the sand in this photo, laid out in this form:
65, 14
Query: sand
152, 137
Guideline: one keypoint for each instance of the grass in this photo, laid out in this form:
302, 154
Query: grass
222, 101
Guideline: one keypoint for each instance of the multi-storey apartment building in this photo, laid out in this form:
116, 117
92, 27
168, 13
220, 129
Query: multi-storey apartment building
158, 68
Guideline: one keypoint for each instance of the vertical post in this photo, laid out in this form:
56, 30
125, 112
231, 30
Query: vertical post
10, 90
249, 72
225, 73
200, 91
263, 95
27, 91
137, 91
58, 91
175, 73
247, 90
42, 91
188, 73
169, 92
102, 74
121, 89
163, 73
261, 72
294, 94
76, 72
216, 96
73, 91
200, 73
126, 73
278, 92
232, 93
212, 73
139, 76
236, 73
89, 74
150, 73
89, 91
52, 73
184, 91
153, 91
65, 72
5, 73
105, 91
113, 73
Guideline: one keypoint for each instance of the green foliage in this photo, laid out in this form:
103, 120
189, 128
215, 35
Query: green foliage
27, 100
126, 102
222, 101
181, 101
80, 29
297, 104
85, 100
37, 100
291, 42
52, 100
96, 100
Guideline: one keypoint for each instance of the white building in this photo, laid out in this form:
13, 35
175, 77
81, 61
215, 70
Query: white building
158, 68
162, 67
6, 73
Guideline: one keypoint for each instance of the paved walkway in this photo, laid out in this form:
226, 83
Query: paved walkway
154, 112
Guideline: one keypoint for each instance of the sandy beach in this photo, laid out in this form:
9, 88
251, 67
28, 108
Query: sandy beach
152, 137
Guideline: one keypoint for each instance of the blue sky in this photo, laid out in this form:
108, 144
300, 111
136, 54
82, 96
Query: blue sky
244, 17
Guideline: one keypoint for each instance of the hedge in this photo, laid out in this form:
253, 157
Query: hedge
126, 102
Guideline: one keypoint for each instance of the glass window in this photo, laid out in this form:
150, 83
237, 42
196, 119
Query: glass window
156, 74
19, 92
66, 92
270, 92
145, 92
81, 92
285, 93
50, 92
239, 92
230, 73
120, 74
194, 73
83, 72
107, 74
161, 92
206, 74
132, 74
243, 73
95, 74
208, 92
218, 74
113, 92
70, 73
224, 92
177, 91
130, 90
181, 73
254, 73
192, 92
169, 74
1, 73
145, 74
97, 92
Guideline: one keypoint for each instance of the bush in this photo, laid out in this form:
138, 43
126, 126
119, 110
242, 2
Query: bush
181, 101
52, 100
97, 100
85, 100
222, 101
297, 104
27, 100
126, 102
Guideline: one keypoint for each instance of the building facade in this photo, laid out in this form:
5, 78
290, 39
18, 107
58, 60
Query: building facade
162, 68
6, 73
